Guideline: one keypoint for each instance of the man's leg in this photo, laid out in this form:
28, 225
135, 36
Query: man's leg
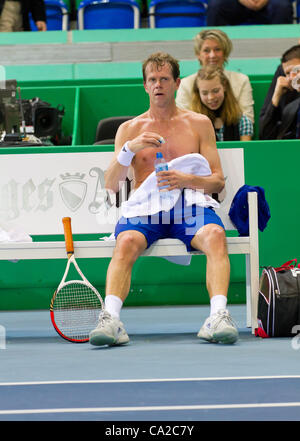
218, 327
225, 13
279, 12
129, 246
110, 330
212, 241
11, 18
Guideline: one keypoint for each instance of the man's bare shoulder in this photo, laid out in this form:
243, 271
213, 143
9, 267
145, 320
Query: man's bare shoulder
193, 116
140, 119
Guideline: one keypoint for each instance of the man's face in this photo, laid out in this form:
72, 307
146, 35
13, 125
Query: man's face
160, 84
288, 66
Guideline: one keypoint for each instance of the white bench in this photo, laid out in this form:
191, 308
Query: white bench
232, 161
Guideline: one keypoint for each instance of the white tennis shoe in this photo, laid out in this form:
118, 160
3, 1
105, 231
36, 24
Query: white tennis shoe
219, 328
110, 331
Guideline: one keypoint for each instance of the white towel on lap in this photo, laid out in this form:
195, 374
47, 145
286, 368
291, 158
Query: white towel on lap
147, 200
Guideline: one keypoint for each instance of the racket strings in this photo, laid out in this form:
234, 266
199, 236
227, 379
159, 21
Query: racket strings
76, 308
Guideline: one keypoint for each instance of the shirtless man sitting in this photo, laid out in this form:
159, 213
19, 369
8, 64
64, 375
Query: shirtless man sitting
136, 144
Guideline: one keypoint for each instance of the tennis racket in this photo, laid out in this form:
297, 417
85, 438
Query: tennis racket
76, 304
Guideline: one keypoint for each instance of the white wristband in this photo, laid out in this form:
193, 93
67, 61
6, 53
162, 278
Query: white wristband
125, 156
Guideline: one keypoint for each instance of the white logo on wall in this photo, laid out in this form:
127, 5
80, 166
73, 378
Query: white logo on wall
73, 190
38, 190
33, 196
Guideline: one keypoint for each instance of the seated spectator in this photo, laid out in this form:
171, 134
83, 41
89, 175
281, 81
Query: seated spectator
213, 97
15, 15
212, 48
236, 12
278, 116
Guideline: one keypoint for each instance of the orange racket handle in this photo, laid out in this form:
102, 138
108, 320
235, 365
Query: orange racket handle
68, 235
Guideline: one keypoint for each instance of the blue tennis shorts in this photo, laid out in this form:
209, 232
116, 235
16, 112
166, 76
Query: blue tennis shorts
181, 222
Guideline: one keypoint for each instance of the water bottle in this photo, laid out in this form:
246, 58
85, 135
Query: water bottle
161, 165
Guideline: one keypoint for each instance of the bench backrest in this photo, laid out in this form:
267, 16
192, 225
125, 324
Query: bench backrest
38, 189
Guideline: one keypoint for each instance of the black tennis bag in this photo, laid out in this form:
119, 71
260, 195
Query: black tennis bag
279, 300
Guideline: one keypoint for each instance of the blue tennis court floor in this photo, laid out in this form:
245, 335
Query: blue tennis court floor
164, 374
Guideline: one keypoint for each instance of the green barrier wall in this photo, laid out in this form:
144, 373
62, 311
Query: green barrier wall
185, 34
46, 73
85, 106
146, 34
49, 75
272, 165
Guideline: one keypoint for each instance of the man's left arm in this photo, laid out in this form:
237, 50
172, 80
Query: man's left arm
38, 11
213, 183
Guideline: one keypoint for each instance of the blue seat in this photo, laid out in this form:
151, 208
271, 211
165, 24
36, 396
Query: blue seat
177, 13
57, 16
108, 14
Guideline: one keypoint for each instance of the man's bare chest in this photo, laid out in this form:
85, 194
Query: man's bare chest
179, 140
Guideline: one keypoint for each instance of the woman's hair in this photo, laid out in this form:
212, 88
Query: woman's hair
213, 34
159, 59
230, 111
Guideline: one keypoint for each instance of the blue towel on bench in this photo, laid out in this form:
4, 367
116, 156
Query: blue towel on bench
239, 210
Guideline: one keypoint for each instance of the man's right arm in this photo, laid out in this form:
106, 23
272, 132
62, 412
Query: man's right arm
126, 146
116, 173
283, 84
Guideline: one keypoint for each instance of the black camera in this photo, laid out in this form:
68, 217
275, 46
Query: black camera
36, 117
45, 119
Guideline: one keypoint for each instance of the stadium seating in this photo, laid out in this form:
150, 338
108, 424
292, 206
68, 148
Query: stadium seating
126, 14
57, 16
107, 129
112, 14
177, 13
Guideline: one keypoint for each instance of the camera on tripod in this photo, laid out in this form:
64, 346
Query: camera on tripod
19, 118
45, 119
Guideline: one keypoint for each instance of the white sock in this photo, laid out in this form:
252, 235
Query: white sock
113, 305
216, 303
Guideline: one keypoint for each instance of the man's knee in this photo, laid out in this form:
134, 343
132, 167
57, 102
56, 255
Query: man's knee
129, 245
210, 238
216, 235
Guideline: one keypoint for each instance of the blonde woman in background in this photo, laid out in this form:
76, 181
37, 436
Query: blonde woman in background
212, 48
213, 96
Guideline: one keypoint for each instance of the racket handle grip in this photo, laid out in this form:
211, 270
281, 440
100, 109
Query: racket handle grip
68, 235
